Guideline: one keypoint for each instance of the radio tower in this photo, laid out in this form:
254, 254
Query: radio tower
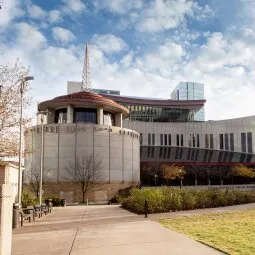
86, 80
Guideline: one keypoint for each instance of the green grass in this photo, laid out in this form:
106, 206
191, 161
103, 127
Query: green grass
233, 232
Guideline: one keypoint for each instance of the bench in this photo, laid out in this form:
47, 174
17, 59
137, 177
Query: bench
32, 211
38, 210
25, 215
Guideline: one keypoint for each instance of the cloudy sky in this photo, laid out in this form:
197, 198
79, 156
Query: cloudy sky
140, 47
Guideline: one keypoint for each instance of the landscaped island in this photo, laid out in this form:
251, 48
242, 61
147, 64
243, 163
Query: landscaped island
169, 199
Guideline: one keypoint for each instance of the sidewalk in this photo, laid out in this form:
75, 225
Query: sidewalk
177, 214
96, 230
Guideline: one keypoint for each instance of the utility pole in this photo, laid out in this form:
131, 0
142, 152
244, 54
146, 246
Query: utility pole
42, 113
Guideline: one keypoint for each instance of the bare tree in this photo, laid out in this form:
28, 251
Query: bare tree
10, 76
86, 171
33, 180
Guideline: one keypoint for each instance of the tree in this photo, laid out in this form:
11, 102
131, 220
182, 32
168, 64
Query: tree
86, 171
33, 180
242, 170
171, 172
10, 76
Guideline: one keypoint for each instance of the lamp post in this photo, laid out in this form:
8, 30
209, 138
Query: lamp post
42, 113
22, 84
181, 177
155, 179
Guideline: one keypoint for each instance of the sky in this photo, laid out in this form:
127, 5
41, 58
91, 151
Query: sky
140, 47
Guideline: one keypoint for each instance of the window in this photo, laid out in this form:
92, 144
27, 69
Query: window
165, 136
226, 142
177, 140
194, 140
85, 115
190, 137
198, 144
211, 141
243, 142
141, 138
231, 141
169, 139
221, 141
161, 139
249, 142
206, 141
181, 140
149, 139
153, 139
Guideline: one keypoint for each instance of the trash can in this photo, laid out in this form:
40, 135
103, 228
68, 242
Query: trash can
63, 202
15, 215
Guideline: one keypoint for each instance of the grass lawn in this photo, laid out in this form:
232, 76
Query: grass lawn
232, 232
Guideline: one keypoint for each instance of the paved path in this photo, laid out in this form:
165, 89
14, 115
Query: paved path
96, 230
177, 214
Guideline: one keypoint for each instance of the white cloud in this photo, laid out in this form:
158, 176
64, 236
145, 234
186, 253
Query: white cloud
29, 38
10, 10
36, 12
163, 60
163, 15
76, 6
55, 16
63, 35
109, 43
118, 6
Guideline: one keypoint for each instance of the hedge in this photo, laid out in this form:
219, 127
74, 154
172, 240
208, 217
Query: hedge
169, 199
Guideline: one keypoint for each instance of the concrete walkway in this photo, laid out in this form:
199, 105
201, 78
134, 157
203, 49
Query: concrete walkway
95, 230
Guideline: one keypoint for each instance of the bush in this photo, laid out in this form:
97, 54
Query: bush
28, 198
170, 199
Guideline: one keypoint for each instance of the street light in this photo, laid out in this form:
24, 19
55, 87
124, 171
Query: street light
155, 179
42, 113
22, 84
181, 177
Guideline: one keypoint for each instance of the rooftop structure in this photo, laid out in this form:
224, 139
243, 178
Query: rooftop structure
190, 91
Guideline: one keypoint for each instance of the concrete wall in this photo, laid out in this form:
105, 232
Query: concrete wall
118, 148
9, 175
235, 126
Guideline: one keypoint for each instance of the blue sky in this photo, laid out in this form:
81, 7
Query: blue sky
140, 47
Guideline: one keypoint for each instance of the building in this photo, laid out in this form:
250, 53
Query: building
190, 91
84, 123
127, 133
73, 87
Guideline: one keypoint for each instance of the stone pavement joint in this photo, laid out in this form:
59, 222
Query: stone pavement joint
105, 229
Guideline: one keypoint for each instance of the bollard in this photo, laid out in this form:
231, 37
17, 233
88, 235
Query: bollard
145, 209
87, 202
15, 216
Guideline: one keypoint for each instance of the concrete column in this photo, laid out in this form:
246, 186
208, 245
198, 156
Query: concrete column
118, 119
100, 116
6, 219
69, 113
50, 116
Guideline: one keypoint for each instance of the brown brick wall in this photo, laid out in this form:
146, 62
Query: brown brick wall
108, 189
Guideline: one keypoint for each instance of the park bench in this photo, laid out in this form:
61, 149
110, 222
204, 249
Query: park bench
32, 211
25, 215
38, 210
44, 208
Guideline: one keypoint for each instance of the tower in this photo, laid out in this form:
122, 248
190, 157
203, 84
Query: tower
86, 79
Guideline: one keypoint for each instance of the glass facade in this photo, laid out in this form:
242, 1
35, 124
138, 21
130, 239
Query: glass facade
106, 91
158, 114
190, 91
84, 115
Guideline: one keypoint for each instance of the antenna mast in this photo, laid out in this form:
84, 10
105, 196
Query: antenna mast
86, 79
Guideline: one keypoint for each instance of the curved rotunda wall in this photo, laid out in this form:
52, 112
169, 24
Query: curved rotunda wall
118, 148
